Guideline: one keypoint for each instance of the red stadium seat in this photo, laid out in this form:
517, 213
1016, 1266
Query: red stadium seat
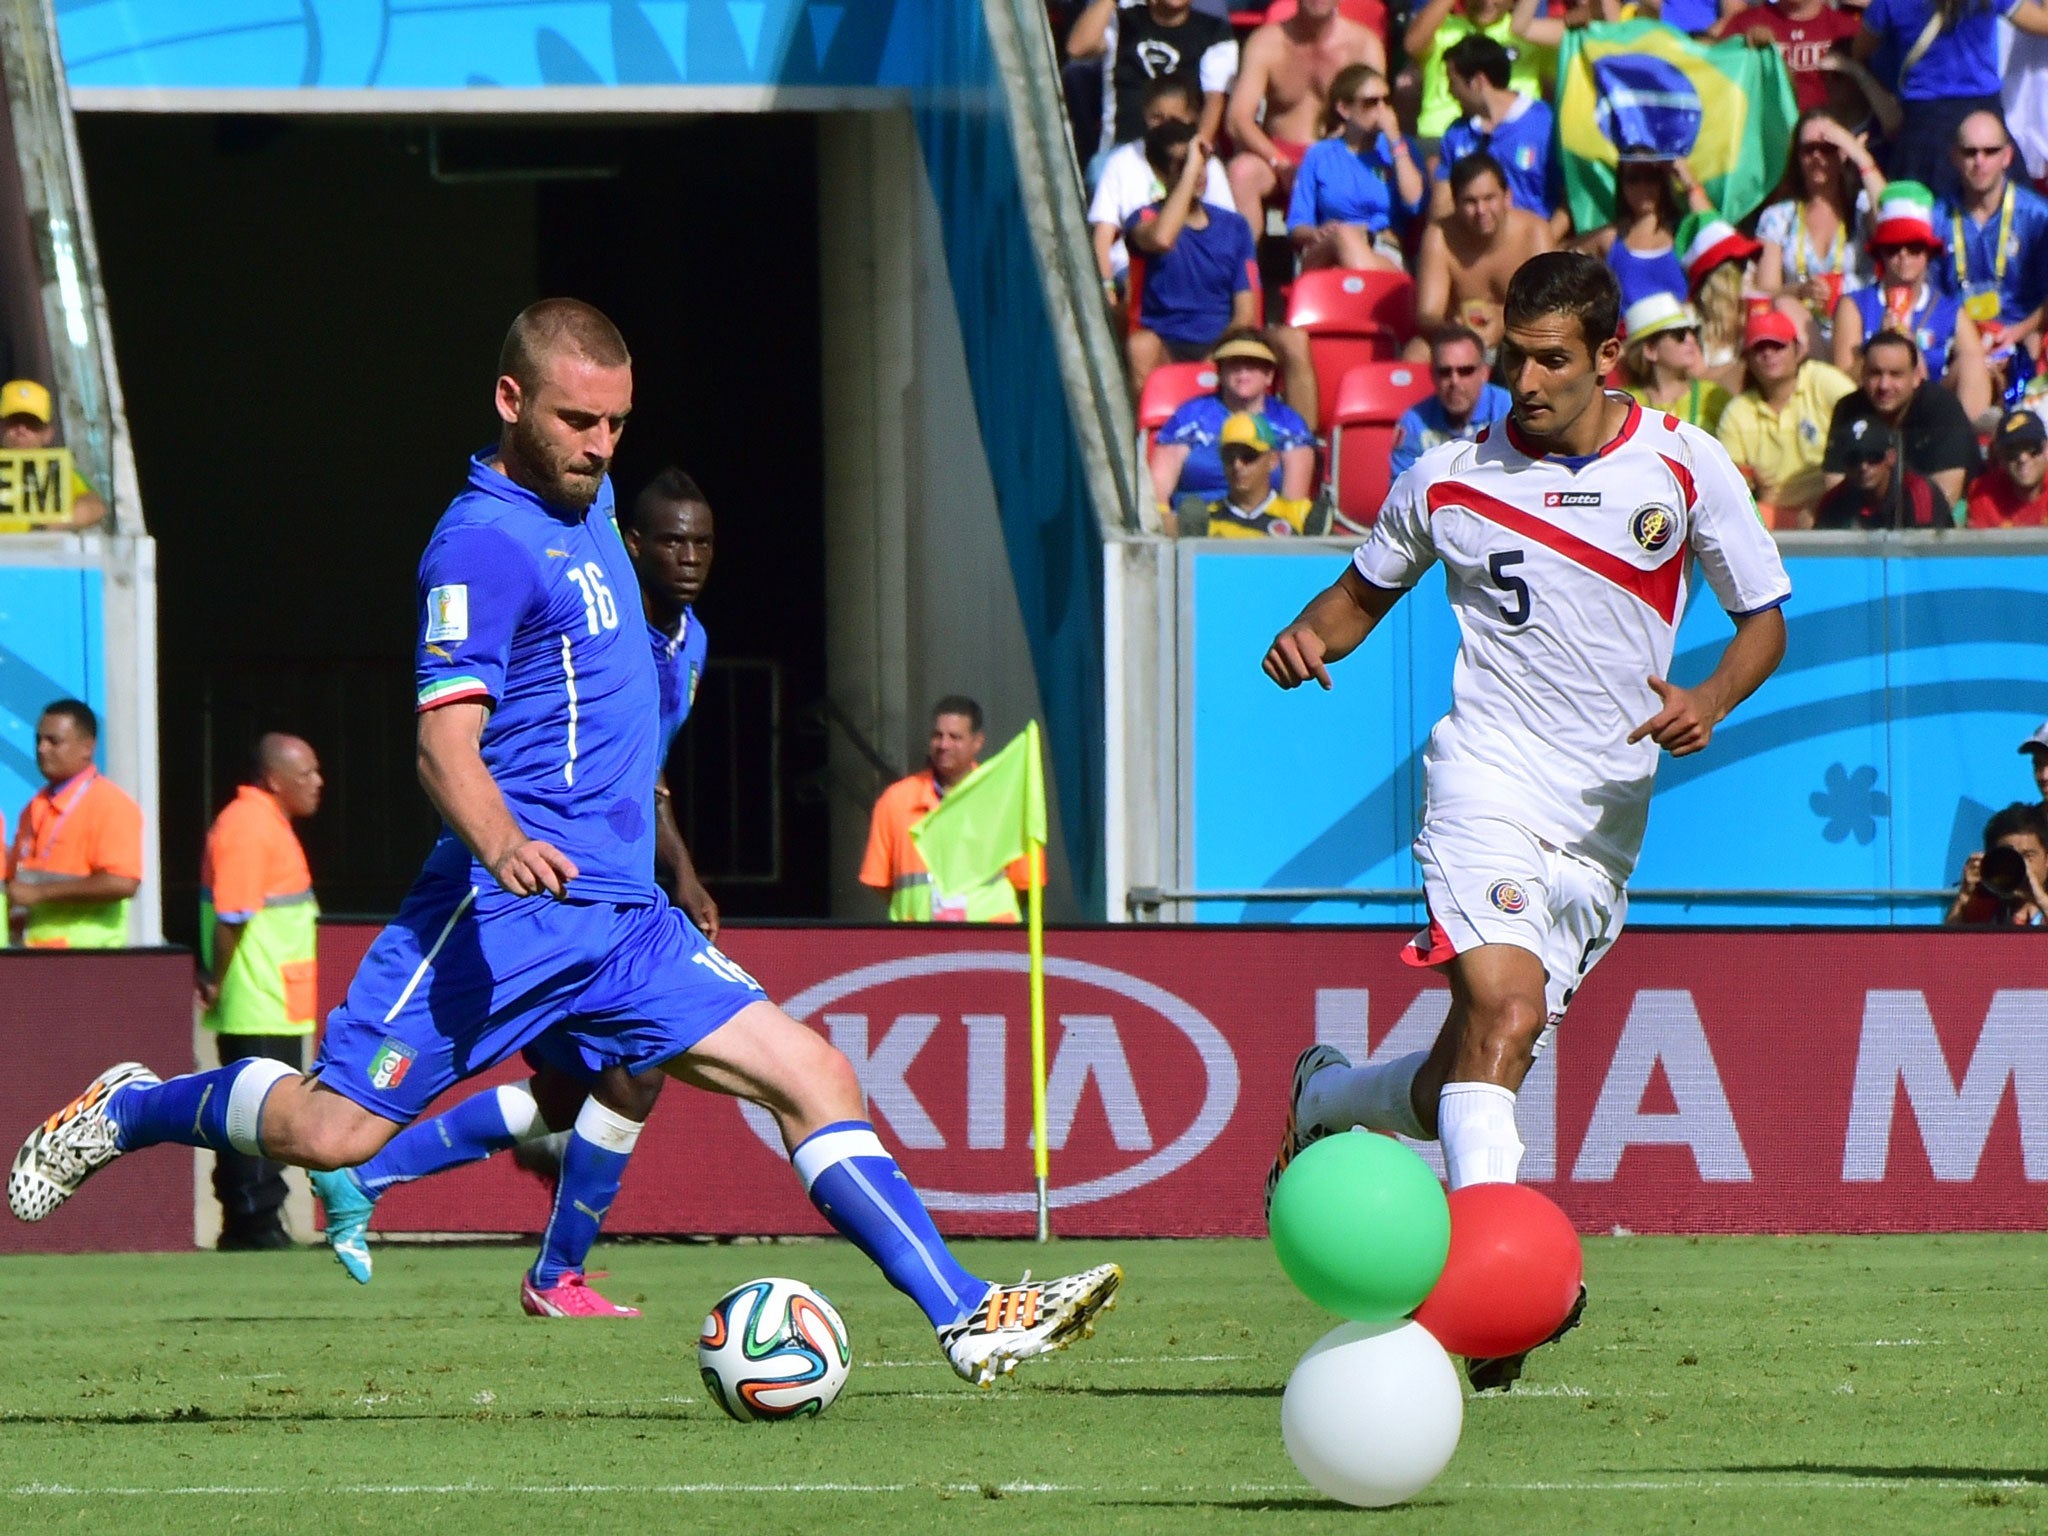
1351, 318
1170, 387
1335, 301
1369, 402
1367, 13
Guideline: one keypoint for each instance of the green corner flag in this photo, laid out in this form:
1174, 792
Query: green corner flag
988, 820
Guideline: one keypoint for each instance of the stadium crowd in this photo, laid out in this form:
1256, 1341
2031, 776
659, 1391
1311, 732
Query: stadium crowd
1865, 341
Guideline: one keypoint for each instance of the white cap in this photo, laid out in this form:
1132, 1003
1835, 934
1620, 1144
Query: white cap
2038, 742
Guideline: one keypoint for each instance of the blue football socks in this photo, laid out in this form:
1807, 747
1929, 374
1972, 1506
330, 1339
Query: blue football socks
860, 1190
481, 1124
219, 1109
593, 1165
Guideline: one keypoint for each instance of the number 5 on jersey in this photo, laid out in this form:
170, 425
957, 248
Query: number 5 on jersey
598, 606
1514, 586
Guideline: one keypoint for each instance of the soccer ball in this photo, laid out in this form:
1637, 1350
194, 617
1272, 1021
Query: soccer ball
773, 1349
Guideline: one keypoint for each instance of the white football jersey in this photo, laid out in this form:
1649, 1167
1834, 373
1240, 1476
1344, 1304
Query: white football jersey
1568, 577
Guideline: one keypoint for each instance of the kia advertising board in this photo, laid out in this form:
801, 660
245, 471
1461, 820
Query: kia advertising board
1705, 1082
68, 1015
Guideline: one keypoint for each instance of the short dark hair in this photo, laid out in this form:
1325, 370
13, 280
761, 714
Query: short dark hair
1162, 139
1467, 169
553, 327
1891, 338
1452, 335
1566, 283
78, 712
668, 489
1477, 54
2022, 817
1182, 86
958, 704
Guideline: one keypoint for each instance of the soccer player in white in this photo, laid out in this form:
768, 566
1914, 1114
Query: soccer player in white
1567, 536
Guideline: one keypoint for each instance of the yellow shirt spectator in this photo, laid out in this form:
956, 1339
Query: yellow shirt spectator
1780, 451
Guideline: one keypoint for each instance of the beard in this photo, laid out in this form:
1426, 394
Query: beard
558, 479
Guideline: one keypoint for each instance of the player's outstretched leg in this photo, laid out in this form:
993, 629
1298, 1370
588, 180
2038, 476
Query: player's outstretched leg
255, 1106
985, 1330
472, 1130
1330, 1095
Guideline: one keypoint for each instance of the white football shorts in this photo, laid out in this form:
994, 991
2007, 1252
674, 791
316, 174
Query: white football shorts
1492, 881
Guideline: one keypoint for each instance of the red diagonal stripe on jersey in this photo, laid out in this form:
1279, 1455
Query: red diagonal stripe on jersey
1684, 478
1658, 588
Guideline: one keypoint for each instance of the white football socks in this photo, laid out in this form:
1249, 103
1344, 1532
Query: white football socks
1376, 1096
1476, 1124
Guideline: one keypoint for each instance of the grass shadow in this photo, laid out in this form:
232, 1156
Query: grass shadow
1094, 1391
1904, 1473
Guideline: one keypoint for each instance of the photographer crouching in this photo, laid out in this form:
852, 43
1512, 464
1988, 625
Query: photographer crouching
2006, 885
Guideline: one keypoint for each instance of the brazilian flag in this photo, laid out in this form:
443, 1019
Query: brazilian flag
1726, 106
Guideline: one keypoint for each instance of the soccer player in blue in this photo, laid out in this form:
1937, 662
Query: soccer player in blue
536, 913
669, 536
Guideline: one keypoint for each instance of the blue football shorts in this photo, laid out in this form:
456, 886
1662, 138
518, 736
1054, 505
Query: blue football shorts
466, 976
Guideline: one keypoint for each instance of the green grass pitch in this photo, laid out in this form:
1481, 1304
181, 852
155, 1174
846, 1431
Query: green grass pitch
1731, 1384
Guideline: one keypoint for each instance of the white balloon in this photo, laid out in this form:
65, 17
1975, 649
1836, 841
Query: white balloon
1373, 1412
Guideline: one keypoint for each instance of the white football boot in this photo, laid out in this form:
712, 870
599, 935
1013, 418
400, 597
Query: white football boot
1031, 1318
69, 1147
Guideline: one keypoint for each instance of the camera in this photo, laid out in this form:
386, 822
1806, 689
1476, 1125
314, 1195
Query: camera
2003, 874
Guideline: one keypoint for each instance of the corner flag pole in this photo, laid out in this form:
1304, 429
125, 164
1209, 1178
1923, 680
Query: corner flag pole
1035, 907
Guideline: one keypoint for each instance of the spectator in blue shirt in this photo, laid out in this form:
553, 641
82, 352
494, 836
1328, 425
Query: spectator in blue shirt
1197, 260
1948, 68
1464, 402
1185, 459
1355, 193
1512, 126
1997, 258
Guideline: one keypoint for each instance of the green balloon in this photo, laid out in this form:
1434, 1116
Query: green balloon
1361, 1225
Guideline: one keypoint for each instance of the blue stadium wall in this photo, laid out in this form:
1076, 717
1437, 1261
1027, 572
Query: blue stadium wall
1868, 763
934, 53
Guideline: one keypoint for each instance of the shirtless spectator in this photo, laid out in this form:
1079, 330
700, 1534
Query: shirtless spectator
1463, 268
1140, 41
1287, 69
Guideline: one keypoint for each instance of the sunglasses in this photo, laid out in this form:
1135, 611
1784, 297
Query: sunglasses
1883, 251
1445, 371
1818, 147
1979, 151
1240, 451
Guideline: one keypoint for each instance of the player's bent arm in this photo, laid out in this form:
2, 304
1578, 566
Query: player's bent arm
672, 854
452, 772
1331, 627
1686, 722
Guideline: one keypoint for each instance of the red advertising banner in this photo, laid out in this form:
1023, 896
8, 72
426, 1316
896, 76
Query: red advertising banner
68, 1016
1705, 1081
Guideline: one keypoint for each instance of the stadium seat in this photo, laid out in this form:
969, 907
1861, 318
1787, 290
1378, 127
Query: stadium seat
1335, 301
1351, 318
1171, 386
1369, 402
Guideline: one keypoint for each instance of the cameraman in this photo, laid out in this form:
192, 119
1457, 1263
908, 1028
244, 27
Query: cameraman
2006, 886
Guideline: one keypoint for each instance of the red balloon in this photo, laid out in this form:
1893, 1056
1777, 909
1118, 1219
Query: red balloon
1512, 1275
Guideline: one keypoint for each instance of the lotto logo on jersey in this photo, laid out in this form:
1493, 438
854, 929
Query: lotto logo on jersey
389, 1066
448, 613
1508, 896
1571, 498
1652, 526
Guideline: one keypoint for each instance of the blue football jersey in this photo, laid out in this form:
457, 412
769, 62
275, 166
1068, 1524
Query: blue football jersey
678, 668
536, 611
